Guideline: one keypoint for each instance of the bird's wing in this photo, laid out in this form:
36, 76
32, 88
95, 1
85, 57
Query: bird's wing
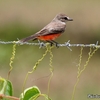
56, 30
49, 31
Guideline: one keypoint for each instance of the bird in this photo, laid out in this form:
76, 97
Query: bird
51, 31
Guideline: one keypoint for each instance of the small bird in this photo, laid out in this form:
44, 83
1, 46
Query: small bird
51, 31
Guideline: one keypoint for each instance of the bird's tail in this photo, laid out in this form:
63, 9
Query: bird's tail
32, 37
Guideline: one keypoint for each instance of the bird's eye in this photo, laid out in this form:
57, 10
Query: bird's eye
65, 18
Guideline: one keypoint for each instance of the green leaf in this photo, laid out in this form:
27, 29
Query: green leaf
34, 97
30, 93
5, 87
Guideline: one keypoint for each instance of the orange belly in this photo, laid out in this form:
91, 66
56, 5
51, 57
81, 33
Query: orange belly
49, 37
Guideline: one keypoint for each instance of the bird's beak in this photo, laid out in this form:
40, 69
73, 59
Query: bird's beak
70, 19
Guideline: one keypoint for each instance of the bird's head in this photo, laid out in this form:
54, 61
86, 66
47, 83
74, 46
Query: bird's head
63, 18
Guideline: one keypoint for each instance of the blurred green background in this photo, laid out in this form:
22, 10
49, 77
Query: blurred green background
21, 18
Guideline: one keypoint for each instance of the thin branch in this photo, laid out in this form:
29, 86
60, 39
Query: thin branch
8, 97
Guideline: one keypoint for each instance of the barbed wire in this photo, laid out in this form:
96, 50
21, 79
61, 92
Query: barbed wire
42, 44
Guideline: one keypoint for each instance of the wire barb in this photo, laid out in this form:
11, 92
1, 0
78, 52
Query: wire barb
68, 45
42, 44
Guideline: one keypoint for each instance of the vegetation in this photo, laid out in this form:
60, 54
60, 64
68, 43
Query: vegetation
22, 18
